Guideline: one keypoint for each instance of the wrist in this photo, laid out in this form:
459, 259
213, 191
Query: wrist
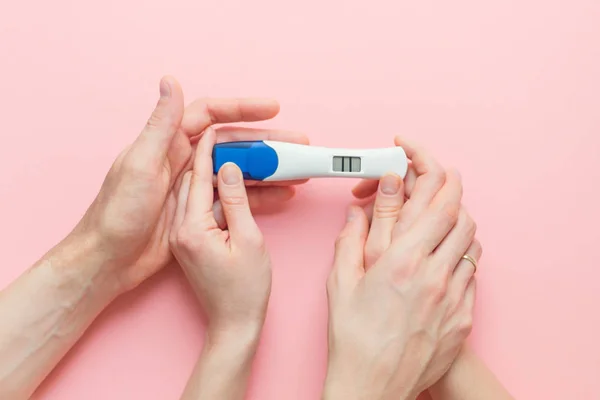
343, 383
224, 366
228, 355
346, 390
353, 380
445, 382
240, 342
336, 388
80, 260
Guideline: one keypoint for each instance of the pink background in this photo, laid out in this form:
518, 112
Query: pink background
507, 91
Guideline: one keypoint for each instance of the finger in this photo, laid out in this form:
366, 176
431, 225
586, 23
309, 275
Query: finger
428, 178
368, 187
456, 243
386, 210
470, 295
182, 198
410, 179
438, 219
365, 188
201, 189
236, 209
150, 148
264, 198
369, 211
203, 113
411, 174
348, 265
464, 271
248, 183
236, 134
251, 183
461, 279
179, 156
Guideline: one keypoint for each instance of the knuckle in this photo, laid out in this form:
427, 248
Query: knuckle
159, 117
173, 239
472, 227
478, 248
385, 211
446, 268
469, 226
453, 177
405, 269
466, 324
454, 302
154, 121
371, 259
339, 242
255, 240
234, 201
436, 176
342, 238
451, 212
374, 250
335, 283
437, 288
401, 276
186, 240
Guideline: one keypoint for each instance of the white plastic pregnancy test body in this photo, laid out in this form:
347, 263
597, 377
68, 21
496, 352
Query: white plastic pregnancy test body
281, 161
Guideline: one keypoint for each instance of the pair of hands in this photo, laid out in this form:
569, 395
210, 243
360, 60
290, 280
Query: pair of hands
400, 297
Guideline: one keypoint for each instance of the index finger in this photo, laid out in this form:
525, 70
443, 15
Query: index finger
429, 178
201, 193
368, 187
203, 113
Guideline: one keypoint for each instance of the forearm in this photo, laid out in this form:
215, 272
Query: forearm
469, 379
45, 311
224, 367
349, 379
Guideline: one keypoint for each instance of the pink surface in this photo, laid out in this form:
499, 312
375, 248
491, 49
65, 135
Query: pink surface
506, 91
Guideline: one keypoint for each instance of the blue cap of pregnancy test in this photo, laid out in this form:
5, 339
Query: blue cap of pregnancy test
255, 159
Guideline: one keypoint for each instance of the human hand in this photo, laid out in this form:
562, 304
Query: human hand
130, 220
400, 295
229, 270
427, 174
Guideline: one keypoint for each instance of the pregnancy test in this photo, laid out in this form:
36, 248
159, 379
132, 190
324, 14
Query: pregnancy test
267, 160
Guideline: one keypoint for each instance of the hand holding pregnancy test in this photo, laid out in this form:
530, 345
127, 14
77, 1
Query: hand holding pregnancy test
266, 160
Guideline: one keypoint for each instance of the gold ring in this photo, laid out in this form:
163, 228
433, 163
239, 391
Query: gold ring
471, 260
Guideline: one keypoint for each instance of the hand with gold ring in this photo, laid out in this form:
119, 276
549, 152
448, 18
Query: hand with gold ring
471, 260
401, 291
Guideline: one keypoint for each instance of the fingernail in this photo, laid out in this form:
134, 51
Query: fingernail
165, 88
390, 184
231, 174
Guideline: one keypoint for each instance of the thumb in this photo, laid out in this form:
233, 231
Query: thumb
236, 208
151, 146
348, 264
